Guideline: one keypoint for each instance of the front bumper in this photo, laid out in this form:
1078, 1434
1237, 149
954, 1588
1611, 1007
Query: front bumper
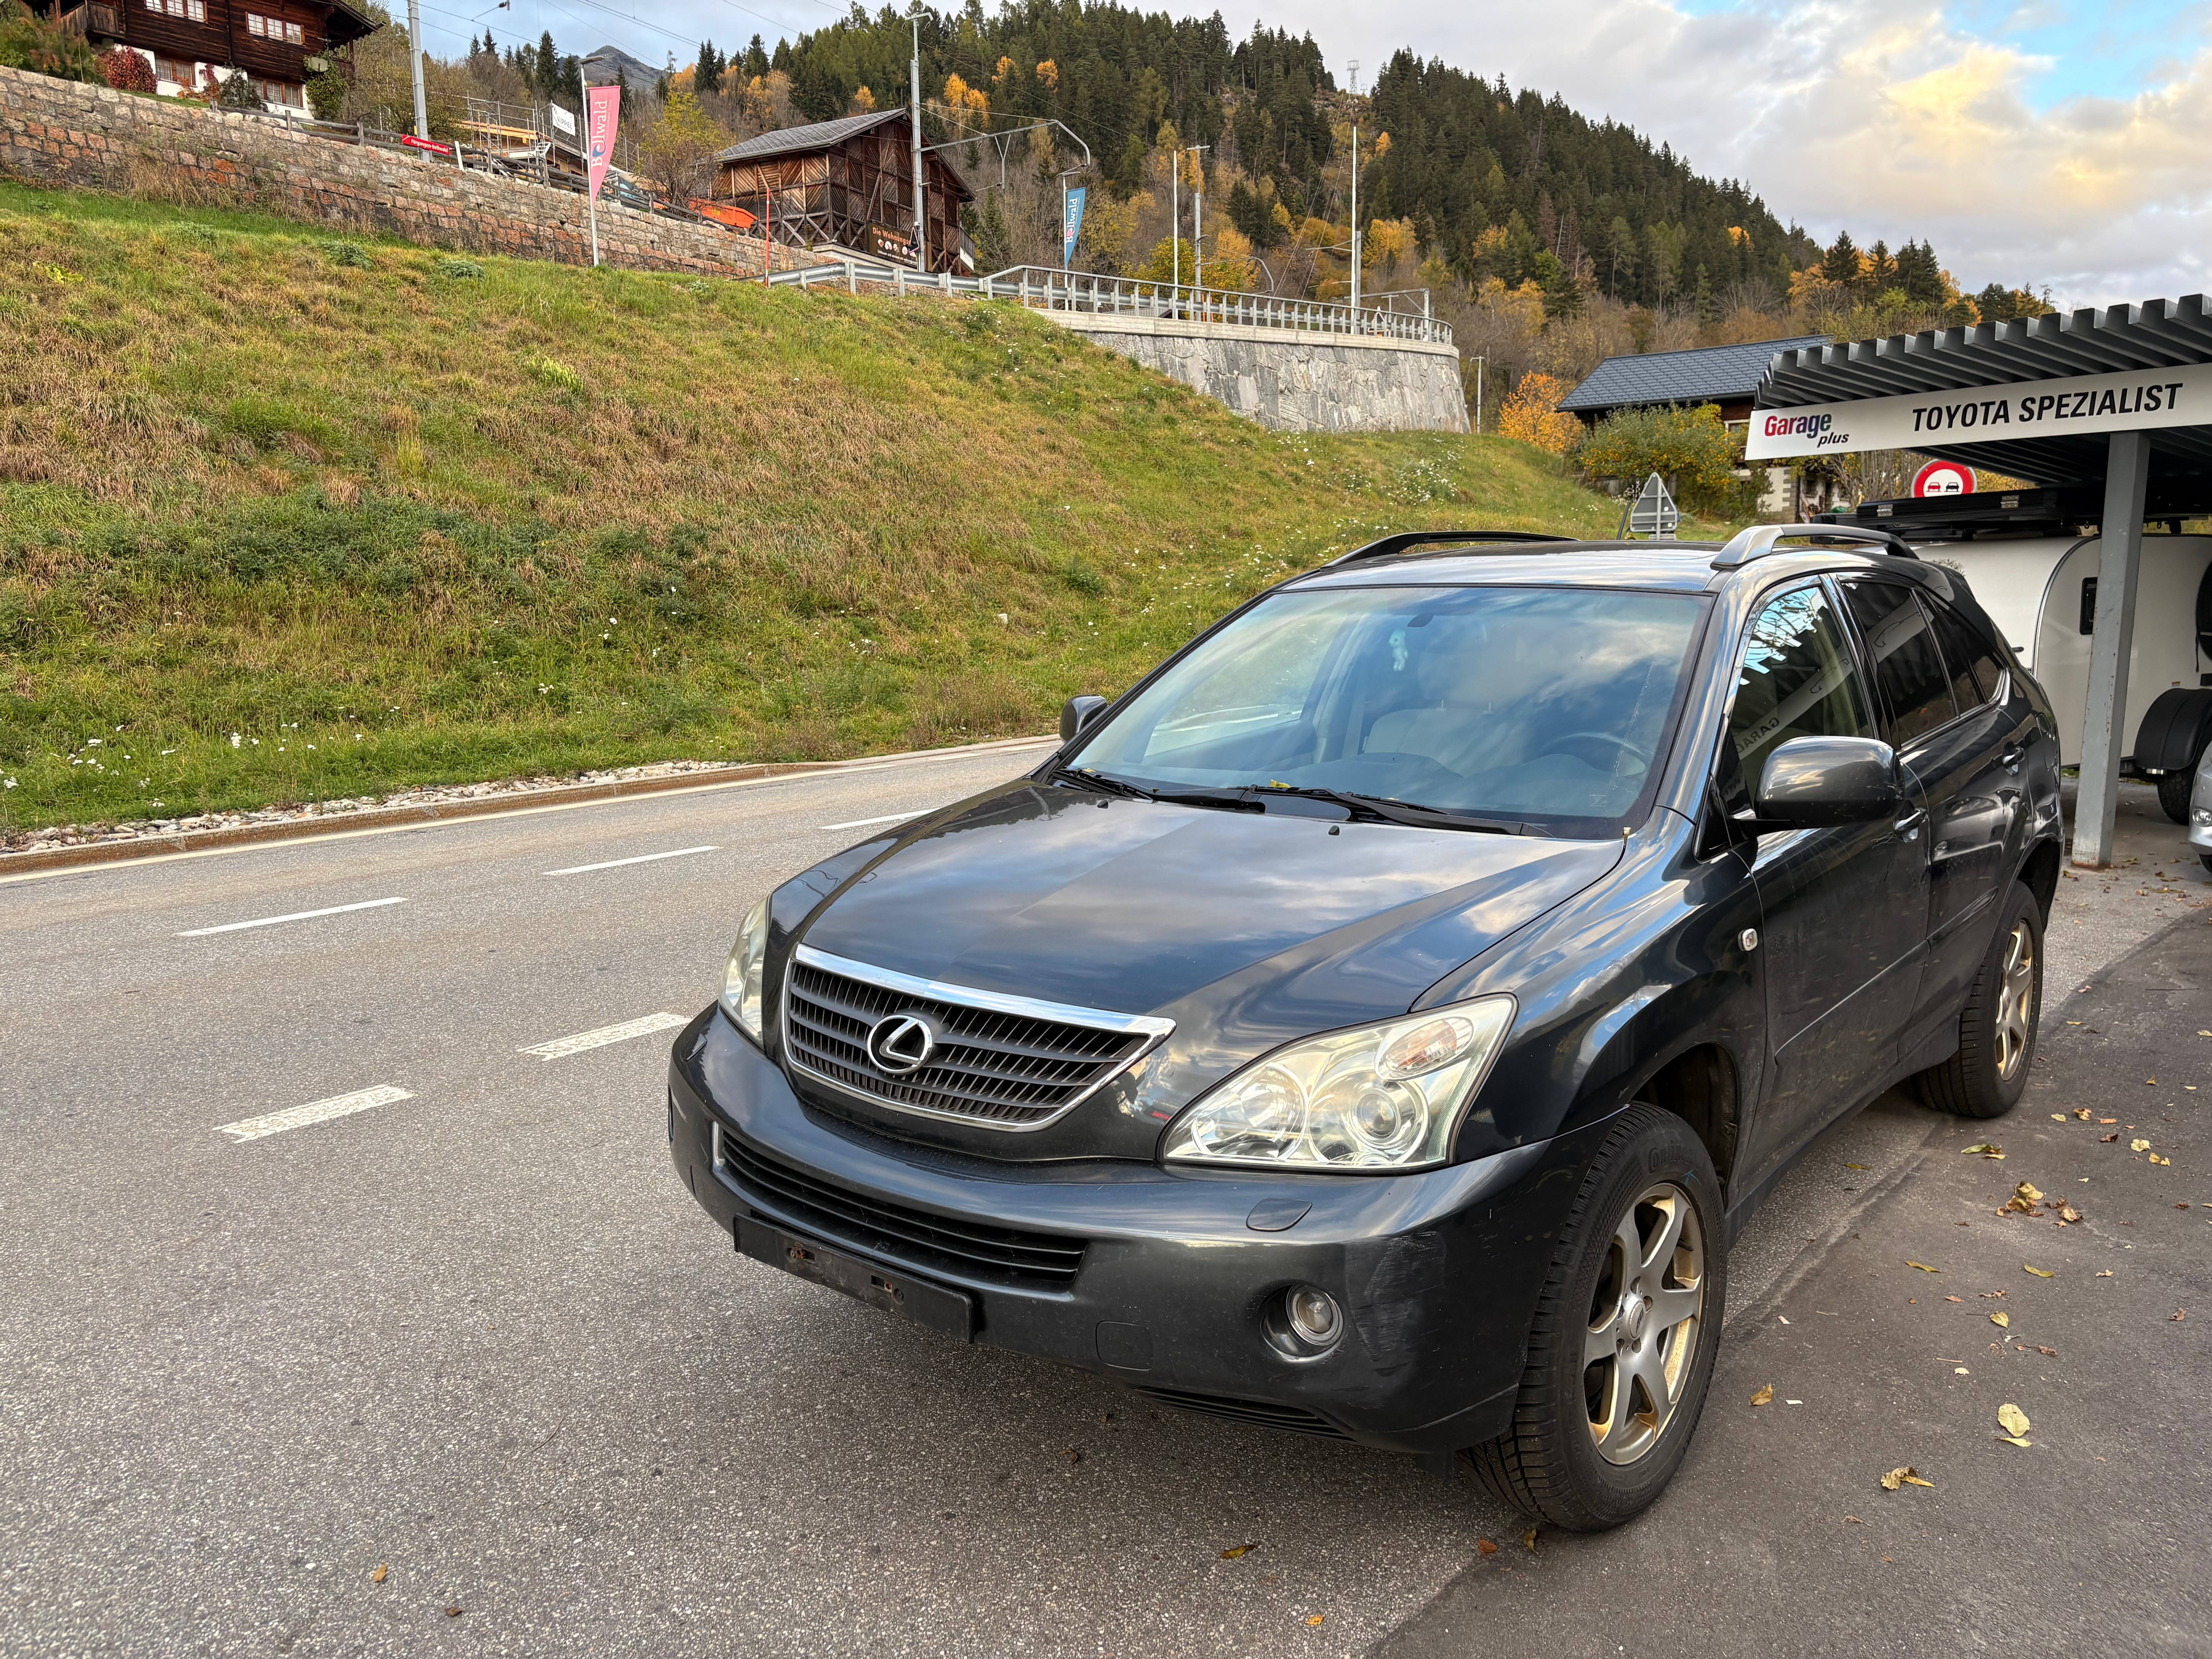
1439, 1272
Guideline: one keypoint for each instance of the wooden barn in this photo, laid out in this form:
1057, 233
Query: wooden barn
849, 183
280, 44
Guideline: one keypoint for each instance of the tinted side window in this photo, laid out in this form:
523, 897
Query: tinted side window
1971, 659
1907, 667
1797, 680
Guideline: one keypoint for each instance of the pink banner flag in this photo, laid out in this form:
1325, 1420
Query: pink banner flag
602, 109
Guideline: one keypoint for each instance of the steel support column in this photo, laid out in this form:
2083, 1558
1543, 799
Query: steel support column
2104, 730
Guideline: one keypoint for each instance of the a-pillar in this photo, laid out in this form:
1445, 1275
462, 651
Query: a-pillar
2104, 730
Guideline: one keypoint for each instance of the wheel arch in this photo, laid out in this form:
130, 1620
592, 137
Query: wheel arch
2038, 872
1700, 1085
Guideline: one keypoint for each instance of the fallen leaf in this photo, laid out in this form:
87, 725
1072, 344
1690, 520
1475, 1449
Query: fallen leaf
1907, 1476
2108, 1274
2108, 1120
2002, 1319
2014, 1419
383, 1571
2155, 1158
453, 1613
2138, 1144
2048, 1353
1853, 1521
2113, 1137
1316, 1618
2058, 1117
1985, 1148
1923, 1267
1073, 1455
1858, 1166
2182, 1206
1764, 1396
2026, 1190
1530, 1539
1238, 1552
2040, 1272
1486, 1546
2179, 1314
1955, 1299
2014, 1440
2082, 1112
2067, 1214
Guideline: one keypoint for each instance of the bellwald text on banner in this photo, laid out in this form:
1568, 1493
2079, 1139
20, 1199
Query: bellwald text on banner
602, 110
2081, 404
1074, 228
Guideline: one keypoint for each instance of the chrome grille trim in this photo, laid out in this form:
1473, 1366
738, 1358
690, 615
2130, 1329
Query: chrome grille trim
1006, 1062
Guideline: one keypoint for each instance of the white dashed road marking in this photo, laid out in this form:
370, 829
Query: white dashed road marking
315, 1111
297, 915
862, 824
561, 1046
642, 858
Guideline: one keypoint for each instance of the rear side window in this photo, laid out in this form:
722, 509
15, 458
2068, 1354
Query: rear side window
1797, 680
1970, 657
1908, 670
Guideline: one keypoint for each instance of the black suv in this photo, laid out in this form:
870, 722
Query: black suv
1378, 1023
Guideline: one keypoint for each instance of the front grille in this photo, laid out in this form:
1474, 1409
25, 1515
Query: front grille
1005, 1062
1292, 1420
918, 1238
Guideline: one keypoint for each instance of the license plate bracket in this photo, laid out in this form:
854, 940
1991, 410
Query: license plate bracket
886, 1289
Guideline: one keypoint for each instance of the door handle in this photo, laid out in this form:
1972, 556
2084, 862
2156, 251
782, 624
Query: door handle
1908, 827
2011, 760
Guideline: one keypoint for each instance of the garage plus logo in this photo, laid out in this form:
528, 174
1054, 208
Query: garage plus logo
1820, 429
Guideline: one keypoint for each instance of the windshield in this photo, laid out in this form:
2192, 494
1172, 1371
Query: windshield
1545, 706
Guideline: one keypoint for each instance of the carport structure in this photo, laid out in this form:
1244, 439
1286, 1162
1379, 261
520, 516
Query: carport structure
2120, 399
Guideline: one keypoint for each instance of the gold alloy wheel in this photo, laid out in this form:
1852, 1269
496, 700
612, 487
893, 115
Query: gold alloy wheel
2017, 1002
1643, 1323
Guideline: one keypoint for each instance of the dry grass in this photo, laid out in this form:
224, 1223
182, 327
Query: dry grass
283, 518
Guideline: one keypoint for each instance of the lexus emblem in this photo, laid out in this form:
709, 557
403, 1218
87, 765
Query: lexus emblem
900, 1044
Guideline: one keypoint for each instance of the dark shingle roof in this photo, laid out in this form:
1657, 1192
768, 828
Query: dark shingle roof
1709, 374
820, 135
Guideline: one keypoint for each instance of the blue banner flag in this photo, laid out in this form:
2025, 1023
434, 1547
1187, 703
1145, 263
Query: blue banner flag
1074, 228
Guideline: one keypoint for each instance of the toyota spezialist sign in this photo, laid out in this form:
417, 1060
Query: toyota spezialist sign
2031, 409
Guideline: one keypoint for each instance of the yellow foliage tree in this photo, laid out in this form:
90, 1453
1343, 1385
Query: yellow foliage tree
959, 96
864, 102
1531, 413
1005, 66
1049, 73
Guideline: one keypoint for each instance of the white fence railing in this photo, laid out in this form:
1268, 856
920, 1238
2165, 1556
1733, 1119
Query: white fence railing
1043, 288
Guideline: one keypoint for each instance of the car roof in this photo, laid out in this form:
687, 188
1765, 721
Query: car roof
1678, 566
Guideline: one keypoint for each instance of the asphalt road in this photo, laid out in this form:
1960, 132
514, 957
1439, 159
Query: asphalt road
477, 1336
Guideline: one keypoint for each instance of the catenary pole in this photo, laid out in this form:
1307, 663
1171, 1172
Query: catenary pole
1355, 224
415, 58
920, 200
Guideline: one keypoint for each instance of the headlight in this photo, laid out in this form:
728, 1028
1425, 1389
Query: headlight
1379, 1097
741, 979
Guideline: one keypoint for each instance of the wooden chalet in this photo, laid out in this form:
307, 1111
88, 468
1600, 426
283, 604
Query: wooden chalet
191, 44
848, 184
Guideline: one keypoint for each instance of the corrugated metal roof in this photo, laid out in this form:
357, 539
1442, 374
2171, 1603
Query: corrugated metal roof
2156, 334
1708, 374
818, 135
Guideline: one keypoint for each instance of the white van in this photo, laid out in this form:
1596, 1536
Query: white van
2041, 591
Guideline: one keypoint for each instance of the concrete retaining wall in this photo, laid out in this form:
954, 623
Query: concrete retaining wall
66, 133
1295, 382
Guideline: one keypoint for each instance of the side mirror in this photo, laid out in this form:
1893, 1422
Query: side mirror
1813, 783
1077, 713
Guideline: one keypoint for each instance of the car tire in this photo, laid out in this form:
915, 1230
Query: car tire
2173, 793
1559, 1462
1997, 1022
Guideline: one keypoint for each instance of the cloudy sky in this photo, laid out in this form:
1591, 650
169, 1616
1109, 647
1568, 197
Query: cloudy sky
2061, 141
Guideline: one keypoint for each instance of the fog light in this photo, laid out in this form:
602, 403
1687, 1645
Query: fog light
1314, 1317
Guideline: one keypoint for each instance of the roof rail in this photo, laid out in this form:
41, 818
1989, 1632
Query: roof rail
1406, 541
1758, 541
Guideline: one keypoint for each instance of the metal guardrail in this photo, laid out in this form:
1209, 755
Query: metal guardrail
1043, 288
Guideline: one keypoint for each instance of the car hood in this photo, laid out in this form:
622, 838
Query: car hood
1247, 929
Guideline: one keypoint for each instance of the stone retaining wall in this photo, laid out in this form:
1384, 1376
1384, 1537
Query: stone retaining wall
68, 134
1294, 382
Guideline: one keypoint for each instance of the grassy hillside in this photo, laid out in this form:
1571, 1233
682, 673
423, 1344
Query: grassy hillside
284, 517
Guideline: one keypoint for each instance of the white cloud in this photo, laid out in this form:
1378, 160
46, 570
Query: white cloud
1879, 116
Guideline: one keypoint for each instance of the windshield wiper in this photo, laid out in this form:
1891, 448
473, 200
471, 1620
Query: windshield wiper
1085, 778
1386, 810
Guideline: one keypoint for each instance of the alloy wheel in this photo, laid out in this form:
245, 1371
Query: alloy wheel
1644, 1323
2016, 1001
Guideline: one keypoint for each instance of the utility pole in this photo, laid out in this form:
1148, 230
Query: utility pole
1355, 224
1478, 397
1174, 214
1198, 218
414, 60
920, 199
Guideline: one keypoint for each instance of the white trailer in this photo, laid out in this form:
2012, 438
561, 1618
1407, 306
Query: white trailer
2041, 592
